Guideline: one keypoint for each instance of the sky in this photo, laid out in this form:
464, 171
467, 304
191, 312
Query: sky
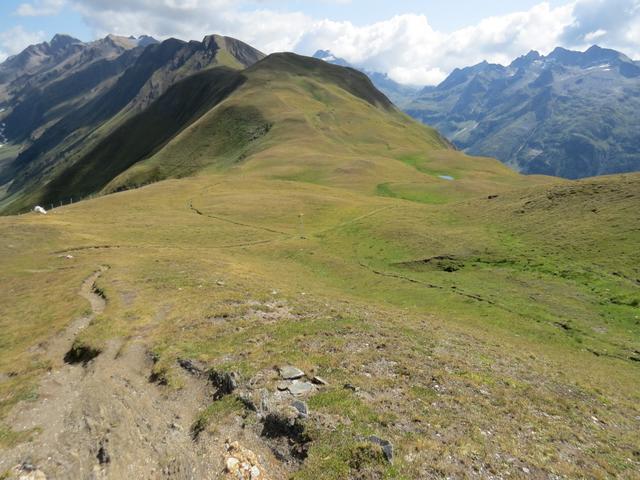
415, 41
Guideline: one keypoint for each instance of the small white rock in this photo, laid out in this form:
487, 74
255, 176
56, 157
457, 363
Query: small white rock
232, 464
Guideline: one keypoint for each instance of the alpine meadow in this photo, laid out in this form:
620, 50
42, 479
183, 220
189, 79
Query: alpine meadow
217, 263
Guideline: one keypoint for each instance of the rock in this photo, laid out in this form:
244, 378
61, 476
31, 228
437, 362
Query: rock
27, 466
191, 366
242, 464
387, 447
232, 464
291, 373
283, 386
301, 407
301, 388
265, 401
319, 380
225, 382
348, 386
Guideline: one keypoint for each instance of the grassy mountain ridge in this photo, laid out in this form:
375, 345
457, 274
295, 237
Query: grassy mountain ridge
288, 103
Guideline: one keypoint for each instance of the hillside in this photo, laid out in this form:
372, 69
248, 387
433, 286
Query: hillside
280, 268
484, 336
57, 123
569, 114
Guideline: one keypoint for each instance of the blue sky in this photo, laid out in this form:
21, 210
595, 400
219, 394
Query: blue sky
414, 41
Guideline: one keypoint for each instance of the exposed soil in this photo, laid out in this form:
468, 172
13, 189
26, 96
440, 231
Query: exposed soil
103, 419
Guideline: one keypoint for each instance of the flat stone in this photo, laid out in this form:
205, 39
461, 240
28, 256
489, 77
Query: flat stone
301, 388
291, 373
283, 386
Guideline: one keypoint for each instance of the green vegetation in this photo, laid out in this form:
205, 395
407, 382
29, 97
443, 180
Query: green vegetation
533, 318
485, 324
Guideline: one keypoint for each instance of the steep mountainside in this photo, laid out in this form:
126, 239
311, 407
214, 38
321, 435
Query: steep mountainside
38, 66
59, 123
398, 93
570, 114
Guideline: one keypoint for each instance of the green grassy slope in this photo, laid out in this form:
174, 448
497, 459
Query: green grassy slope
514, 316
487, 324
331, 121
304, 119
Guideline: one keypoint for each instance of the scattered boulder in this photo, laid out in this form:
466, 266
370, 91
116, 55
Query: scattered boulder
191, 366
225, 382
291, 373
298, 388
40, 210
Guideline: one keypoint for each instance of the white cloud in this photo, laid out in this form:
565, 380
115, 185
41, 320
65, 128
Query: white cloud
16, 39
40, 8
407, 47
593, 36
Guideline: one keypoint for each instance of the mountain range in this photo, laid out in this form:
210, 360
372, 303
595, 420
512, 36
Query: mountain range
61, 99
569, 114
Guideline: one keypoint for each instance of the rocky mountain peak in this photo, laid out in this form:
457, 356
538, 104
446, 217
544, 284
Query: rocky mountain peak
62, 41
526, 60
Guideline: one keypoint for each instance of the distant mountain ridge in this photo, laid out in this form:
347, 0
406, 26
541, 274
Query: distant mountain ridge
61, 98
570, 114
398, 93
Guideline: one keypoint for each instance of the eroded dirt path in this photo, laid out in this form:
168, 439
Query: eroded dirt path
105, 420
